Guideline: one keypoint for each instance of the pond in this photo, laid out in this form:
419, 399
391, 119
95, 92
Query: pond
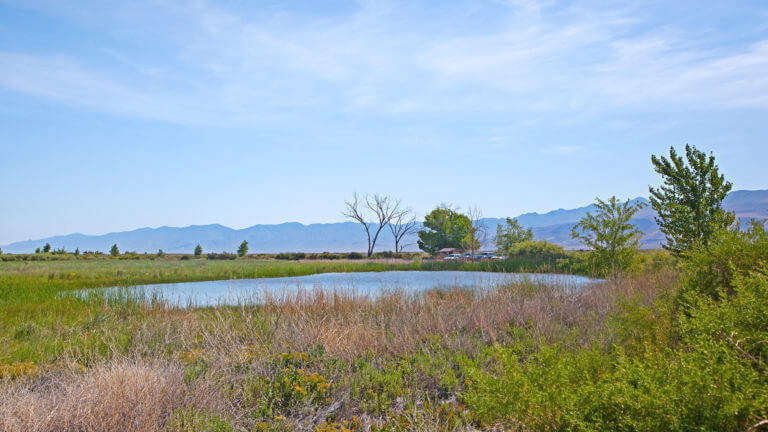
362, 284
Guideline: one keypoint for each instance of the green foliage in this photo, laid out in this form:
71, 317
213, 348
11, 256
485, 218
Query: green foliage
289, 386
192, 420
689, 202
243, 249
77, 252
47, 248
613, 239
510, 235
160, 253
710, 269
291, 256
221, 256
536, 248
114, 251
198, 251
704, 369
443, 228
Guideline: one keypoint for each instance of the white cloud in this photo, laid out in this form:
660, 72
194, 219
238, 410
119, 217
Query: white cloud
387, 58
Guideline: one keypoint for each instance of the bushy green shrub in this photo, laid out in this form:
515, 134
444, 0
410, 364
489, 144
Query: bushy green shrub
538, 248
384, 254
710, 269
703, 369
221, 256
192, 420
295, 256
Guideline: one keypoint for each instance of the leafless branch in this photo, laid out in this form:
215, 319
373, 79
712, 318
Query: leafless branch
403, 223
383, 209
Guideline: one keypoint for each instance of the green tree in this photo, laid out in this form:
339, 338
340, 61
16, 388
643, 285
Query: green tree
613, 239
47, 248
198, 251
689, 202
243, 249
444, 227
37, 251
114, 251
77, 252
510, 235
160, 253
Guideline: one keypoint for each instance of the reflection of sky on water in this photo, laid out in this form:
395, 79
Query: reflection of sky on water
363, 284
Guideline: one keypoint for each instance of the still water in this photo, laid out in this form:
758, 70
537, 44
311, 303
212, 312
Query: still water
363, 284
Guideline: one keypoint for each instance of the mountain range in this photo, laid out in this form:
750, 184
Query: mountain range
554, 226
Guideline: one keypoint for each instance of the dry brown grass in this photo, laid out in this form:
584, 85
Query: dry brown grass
113, 397
141, 394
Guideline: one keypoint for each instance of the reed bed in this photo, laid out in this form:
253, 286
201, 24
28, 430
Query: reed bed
311, 361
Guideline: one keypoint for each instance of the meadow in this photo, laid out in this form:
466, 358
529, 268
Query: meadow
647, 351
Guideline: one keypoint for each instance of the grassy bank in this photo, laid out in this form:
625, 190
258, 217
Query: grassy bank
645, 352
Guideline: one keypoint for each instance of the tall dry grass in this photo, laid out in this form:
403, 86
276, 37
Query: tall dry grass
139, 387
112, 397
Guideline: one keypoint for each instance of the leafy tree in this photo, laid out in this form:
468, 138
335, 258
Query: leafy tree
198, 251
160, 253
609, 233
444, 227
510, 235
114, 251
1, 251
37, 251
77, 252
47, 248
243, 249
689, 202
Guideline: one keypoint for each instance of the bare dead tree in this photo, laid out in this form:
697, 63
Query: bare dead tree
478, 232
383, 209
402, 224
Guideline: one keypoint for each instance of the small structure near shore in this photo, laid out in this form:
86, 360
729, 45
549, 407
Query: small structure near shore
444, 252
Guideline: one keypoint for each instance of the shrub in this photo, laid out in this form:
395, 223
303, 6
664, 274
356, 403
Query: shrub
327, 256
711, 269
221, 256
384, 254
192, 420
354, 255
295, 256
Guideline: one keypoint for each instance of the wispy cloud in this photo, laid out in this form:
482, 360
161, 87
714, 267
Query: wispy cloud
562, 150
230, 66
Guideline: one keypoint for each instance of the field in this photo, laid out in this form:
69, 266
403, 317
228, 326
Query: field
520, 357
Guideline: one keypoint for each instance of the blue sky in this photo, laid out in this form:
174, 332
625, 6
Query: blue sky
119, 115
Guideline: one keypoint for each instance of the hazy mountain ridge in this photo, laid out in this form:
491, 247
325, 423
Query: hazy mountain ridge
554, 226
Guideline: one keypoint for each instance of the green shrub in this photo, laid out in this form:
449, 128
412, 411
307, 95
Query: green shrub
192, 420
711, 269
221, 256
295, 256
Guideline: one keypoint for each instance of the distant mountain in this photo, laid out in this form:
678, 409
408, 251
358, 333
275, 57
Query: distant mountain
554, 226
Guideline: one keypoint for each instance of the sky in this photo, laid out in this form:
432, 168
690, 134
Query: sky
121, 115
